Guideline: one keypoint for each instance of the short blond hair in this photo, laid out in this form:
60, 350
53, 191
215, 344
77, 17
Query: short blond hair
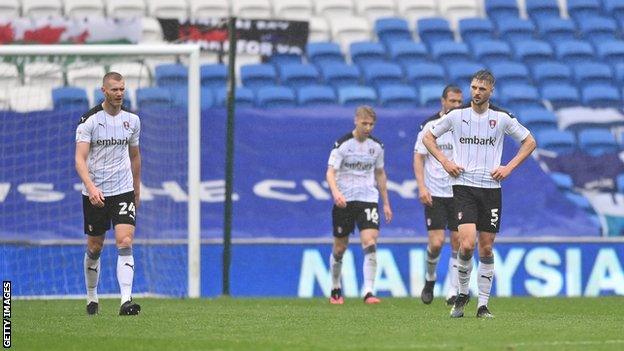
366, 111
112, 75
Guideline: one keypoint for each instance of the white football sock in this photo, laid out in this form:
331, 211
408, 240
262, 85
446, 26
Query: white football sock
335, 264
92, 275
484, 279
452, 273
370, 268
432, 265
125, 272
464, 269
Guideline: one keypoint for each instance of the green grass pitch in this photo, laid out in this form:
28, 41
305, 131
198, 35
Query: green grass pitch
313, 324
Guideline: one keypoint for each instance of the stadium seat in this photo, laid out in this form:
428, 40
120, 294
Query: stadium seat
537, 119
293, 9
213, 75
454, 10
275, 97
579, 10
136, 75
208, 8
615, 8
321, 53
519, 96
258, 75
340, 74
152, 31
243, 98
125, 8
355, 96
490, 51
579, 200
406, 53
476, 29
533, 51
319, 29
413, 10
10, 9
374, 9
167, 9
430, 95
551, 72
563, 181
251, 8
43, 74
298, 75
30, 98
316, 95
611, 52
42, 8
392, 29
561, 95
574, 51
332, 8
347, 30
367, 52
460, 73
4, 99
285, 59
542, 9
597, 141
499, 10
9, 76
425, 73
382, 74
620, 183
98, 97
516, 29
557, 29
171, 75
509, 72
434, 29
601, 96
592, 73
397, 96
179, 97
559, 141
83, 8
153, 98
449, 51
70, 98
598, 29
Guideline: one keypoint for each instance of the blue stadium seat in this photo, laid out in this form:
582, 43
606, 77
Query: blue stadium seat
408, 52
519, 96
499, 10
551, 73
392, 29
179, 96
598, 29
533, 51
574, 51
298, 75
579, 10
340, 74
510, 72
614, 7
430, 95
275, 97
449, 51
244, 97
516, 29
398, 96
537, 119
381, 74
592, 73
563, 181
278, 60
367, 52
320, 53
476, 29
154, 99
355, 96
213, 75
460, 73
434, 29
255, 76
490, 51
599, 96
560, 141
620, 183
611, 52
597, 141
316, 95
619, 73
171, 75
557, 29
70, 98
579, 200
425, 73
561, 95
542, 9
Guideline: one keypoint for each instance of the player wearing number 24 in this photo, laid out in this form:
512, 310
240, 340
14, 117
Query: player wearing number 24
108, 162
356, 178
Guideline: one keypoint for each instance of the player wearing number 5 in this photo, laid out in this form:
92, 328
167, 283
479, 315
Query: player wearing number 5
356, 178
108, 162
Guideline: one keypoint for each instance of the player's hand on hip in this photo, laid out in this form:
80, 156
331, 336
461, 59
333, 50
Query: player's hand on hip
96, 197
501, 173
387, 213
452, 168
425, 197
340, 200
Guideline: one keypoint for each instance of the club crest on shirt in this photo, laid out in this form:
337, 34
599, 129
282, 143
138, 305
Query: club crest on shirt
492, 123
126, 124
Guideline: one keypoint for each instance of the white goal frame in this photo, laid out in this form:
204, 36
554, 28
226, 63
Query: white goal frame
194, 125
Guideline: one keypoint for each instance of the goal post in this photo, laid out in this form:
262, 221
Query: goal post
192, 54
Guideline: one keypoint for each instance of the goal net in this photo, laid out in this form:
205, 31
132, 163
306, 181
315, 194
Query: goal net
43, 92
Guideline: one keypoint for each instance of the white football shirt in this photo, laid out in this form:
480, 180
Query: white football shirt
110, 137
355, 163
478, 140
436, 179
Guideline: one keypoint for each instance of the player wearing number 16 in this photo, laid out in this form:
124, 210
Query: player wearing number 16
356, 178
109, 164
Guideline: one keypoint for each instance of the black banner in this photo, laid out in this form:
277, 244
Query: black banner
255, 36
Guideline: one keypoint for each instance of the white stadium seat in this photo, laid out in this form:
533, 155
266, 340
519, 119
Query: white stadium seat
319, 29
9, 76
374, 9
209, 8
4, 99
454, 10
346, 30
252, 8
167, 9
30, 98
41, 8
152, 31
333, 8
135, 74
85, 75
83, 8
9, 8
415, 9
125, 8
44, 74
293, 9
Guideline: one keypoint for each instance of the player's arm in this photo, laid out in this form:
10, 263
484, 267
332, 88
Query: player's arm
382, 185
339, 199
96, 197
449, 166
419, 166
135, 165
527, 146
